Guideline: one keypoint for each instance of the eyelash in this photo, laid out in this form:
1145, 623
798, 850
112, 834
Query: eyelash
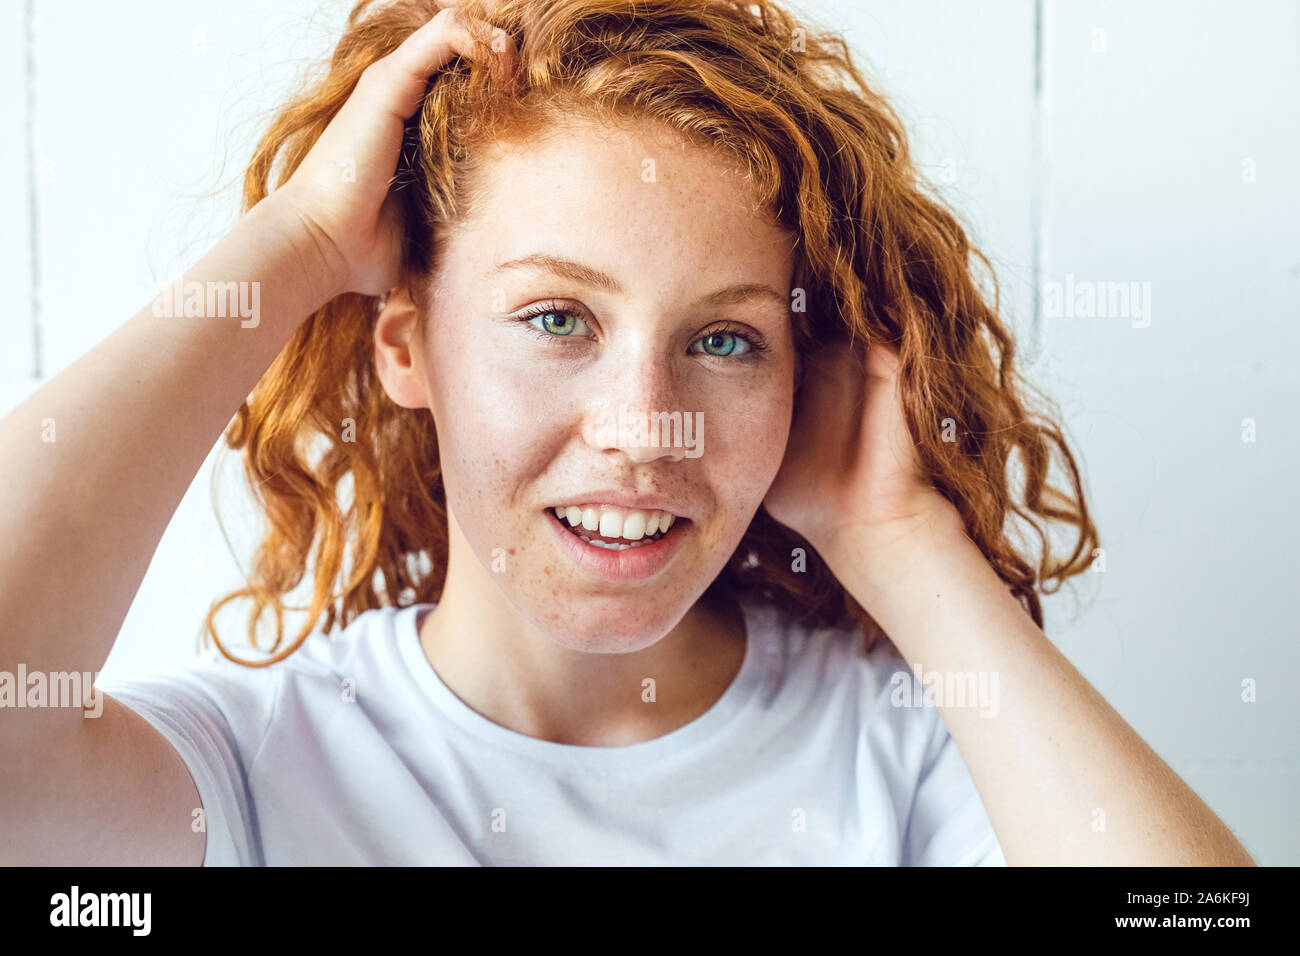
755, 341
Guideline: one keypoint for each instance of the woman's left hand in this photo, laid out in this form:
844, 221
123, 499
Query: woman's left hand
850, 463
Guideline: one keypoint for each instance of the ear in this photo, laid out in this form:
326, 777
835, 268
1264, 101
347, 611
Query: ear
398, 361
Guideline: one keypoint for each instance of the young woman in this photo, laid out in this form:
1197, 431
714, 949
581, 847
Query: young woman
496, 238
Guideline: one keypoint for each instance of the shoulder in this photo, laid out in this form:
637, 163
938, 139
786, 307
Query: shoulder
881, 711
870, 695
244, 698
832, 661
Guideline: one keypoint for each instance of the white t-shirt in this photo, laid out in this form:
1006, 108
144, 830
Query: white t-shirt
352, 751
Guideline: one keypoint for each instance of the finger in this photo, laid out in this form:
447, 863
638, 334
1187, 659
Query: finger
367, 129
405, 72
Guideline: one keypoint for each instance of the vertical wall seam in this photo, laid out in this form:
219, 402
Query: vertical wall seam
33, 182
1038, 176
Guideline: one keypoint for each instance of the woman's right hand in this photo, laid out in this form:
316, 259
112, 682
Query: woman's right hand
339, 193
137, 417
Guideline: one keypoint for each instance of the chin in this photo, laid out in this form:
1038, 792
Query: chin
610, 625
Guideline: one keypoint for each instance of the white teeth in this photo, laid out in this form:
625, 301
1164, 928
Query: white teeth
634, 525
611, 522
613, 545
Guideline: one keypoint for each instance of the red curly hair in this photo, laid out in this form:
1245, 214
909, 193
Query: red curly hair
877, 255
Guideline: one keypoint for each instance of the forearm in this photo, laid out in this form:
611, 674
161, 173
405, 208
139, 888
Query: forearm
97, 460
1064, 779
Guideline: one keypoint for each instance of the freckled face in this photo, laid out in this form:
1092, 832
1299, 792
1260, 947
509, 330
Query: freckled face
522, 403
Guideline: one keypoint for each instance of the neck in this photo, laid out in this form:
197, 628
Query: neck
515, 674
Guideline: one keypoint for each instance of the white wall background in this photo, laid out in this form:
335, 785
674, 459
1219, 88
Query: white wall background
1152, 142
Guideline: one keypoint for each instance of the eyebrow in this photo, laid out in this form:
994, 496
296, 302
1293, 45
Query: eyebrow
577, 272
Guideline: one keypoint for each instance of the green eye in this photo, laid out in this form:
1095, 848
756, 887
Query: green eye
549, 323
555, 322
723, 344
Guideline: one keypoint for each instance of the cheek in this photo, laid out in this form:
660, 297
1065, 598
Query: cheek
743, 478
491, 416
745, 437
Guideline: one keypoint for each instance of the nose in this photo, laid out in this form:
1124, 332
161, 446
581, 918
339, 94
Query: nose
634, 409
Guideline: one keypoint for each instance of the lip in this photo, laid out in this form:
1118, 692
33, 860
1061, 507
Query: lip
629, 565
623, 499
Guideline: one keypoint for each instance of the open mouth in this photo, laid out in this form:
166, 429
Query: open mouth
616, 530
